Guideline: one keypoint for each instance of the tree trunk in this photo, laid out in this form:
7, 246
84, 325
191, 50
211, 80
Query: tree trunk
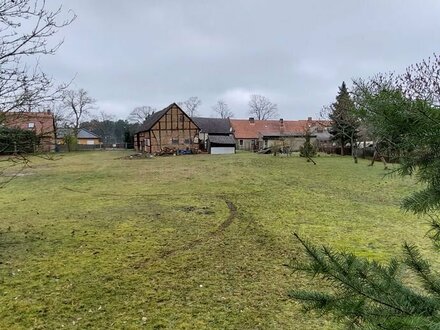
374, 157
354, 150
385, 165
382, 158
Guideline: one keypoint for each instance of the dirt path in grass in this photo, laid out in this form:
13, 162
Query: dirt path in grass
220, 229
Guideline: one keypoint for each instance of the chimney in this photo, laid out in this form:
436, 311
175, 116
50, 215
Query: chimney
251, 120
281, 126
309, 119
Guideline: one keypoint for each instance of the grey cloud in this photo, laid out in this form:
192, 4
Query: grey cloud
295, 52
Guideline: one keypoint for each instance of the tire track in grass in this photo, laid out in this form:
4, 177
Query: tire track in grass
220, 229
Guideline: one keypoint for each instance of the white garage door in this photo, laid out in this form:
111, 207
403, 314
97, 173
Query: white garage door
222, 150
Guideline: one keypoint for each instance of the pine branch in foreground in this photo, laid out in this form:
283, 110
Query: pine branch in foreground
367, 294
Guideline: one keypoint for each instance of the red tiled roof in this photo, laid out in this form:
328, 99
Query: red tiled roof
244, 129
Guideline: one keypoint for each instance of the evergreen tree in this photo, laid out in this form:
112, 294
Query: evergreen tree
367, 294
344, 122
307, 150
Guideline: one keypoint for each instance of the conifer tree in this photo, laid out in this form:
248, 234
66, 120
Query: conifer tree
367, 294
307, 150
344, 122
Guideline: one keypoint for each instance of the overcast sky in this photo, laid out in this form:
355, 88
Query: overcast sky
296, 53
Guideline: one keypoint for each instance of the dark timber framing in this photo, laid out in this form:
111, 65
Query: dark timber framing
170, 129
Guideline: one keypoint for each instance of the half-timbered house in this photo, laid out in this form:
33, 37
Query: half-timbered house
170, 129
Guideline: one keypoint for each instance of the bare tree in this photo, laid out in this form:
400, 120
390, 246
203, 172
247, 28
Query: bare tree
59, 117
139, 114
222, 109
78, 105
25, 29
191, 106
104, 116
421, 80
262, 108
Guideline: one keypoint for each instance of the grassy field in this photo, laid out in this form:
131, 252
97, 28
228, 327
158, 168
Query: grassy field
94, 240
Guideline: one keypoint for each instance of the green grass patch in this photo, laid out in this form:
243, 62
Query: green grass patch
93, 240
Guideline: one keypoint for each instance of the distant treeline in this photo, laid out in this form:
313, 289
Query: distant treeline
112, 132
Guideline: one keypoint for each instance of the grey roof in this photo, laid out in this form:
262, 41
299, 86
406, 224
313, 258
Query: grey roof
82, 133
213, 125
221, 139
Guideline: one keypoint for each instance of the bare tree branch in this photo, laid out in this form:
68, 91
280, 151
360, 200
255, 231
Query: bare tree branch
221, 108
191, 106
26, 27
78, 105
139, 114
262, 108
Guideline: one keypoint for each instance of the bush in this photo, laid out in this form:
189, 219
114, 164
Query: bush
16, 140
71, 141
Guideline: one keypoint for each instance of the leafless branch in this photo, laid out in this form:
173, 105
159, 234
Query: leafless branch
262, 108
191, 106
139, 114
222, 109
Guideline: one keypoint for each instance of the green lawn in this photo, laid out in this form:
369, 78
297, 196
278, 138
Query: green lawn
93, 240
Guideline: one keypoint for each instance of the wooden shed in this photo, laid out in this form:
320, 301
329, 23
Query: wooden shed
168, 130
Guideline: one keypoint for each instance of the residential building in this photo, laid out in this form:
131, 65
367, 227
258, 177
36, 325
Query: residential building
42, 123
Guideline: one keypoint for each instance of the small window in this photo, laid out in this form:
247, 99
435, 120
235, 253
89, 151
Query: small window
241, 142
181, 118
175, 140
90, 142
31, 125
147, 142
187, 141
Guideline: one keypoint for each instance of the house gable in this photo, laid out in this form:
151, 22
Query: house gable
168, 129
